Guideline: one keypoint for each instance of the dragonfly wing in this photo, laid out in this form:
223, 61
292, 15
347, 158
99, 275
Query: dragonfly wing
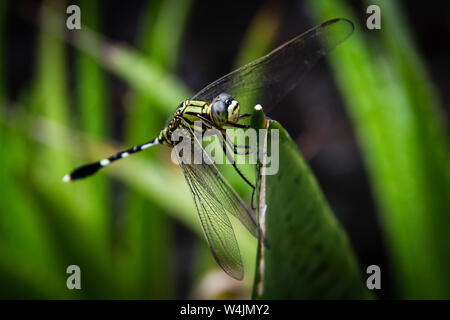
215, 223
278, 72
214, 199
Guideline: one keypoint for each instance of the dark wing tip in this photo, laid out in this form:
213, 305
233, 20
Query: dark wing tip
236, 274
349, 24
234, 271
347, 21
335, 31
343, 23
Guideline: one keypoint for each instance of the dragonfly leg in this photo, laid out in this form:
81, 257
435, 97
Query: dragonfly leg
238, 125
245, 115
234, 146
229, 156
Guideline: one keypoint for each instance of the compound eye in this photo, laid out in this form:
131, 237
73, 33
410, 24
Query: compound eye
219, 112
219, 107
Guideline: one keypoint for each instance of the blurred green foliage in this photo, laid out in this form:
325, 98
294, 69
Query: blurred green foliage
116, 225
396, 115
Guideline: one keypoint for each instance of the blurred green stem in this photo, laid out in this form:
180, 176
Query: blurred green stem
396, 118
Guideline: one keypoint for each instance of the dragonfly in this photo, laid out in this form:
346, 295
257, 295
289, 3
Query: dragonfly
220, 105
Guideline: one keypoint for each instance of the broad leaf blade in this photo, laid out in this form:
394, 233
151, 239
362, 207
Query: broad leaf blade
309, 255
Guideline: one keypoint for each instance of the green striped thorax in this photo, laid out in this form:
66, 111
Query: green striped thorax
221, 111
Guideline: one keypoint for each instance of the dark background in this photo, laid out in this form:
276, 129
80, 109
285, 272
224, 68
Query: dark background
318, 121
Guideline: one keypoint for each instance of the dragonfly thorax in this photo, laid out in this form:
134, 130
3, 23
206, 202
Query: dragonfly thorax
223, 110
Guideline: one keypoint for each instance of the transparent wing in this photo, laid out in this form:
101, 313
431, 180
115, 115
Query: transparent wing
214, 199
275, 74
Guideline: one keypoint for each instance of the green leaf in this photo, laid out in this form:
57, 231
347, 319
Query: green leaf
308, 254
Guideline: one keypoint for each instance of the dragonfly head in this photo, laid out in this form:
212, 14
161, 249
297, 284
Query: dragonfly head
224, 109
